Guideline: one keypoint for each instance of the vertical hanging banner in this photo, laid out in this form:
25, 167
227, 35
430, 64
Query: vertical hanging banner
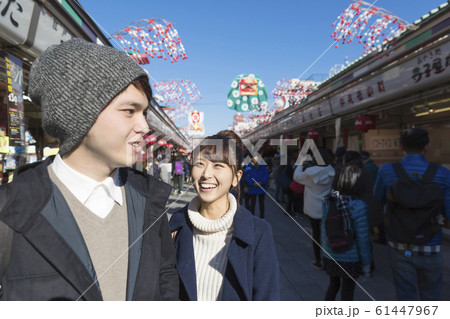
196, 126
16, 126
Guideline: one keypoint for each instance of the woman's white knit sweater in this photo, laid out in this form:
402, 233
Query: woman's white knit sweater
211, 241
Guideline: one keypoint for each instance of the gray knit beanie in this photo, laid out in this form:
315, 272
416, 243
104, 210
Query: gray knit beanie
73, 82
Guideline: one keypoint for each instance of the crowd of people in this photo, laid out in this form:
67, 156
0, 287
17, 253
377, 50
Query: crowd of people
378, 208
84, 225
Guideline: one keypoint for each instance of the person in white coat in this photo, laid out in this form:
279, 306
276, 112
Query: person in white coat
317, 180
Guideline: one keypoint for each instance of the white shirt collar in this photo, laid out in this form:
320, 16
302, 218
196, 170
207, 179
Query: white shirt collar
82, 186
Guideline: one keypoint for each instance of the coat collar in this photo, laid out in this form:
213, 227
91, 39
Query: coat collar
238, 252
28, 194
23, 200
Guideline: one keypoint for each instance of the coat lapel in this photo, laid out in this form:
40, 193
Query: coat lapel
238, 253
58, 253
186, 261
185, 252
33, 185
146, 203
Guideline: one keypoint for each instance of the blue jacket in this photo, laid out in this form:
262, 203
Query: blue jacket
252, 270
414, 163
360, 252
259, 174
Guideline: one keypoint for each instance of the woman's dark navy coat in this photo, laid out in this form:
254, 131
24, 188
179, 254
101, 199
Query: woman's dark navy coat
252, 270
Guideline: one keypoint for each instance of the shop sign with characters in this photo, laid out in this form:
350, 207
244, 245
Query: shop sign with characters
16, 123
428, 68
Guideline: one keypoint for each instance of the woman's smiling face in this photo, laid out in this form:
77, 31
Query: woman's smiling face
213, 180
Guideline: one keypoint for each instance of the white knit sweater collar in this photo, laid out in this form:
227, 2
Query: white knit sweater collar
209, 225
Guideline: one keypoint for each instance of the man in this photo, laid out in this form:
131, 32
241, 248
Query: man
415, 265
84, 226
178, 174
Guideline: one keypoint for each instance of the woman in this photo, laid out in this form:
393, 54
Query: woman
223, 252
344, 267
317, 180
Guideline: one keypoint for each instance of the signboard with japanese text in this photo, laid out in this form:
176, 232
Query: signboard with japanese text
15, 19
428, 68
311, 114
4, 144
49, 31
16, 125
15, 25
382, 140
383, 145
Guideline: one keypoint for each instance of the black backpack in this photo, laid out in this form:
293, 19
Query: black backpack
338, 228
414, 206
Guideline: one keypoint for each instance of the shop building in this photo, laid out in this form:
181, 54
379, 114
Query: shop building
27, 29
402, 84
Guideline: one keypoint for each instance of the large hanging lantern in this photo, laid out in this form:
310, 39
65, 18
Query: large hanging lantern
162, 143
365, 123
313, 133
169, 146
151, 139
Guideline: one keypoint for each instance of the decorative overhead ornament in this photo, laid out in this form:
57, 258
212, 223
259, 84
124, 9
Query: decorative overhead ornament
179, 95
169, 146
247, 93
196, 126
353, 24
151, 38
292, 92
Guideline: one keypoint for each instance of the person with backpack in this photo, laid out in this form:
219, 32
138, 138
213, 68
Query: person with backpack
416, 198
364, 189
178, 174
317, 180
345, 235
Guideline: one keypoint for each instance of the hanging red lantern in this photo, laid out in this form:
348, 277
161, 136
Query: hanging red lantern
162, 143
169, 146
313, 133
150, 139
365, 123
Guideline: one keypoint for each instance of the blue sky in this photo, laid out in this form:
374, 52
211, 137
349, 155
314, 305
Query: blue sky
273, 39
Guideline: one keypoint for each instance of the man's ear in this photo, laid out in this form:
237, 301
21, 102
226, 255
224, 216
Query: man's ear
236, 178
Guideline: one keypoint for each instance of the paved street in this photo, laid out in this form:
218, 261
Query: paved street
298, 279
